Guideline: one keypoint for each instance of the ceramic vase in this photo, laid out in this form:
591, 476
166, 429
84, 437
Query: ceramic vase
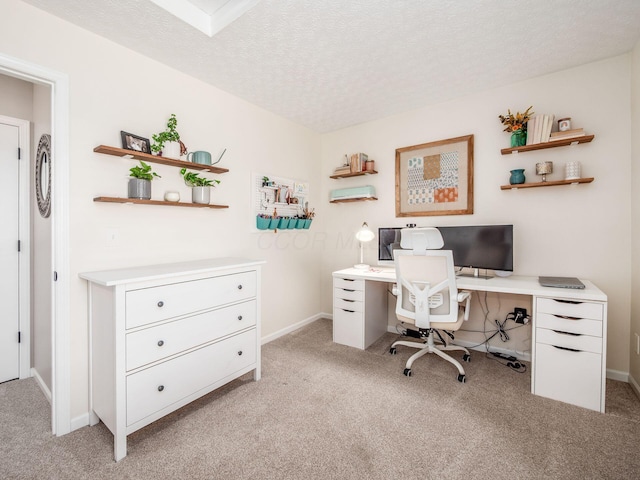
518, 138
201, 195
517, 176
171, 150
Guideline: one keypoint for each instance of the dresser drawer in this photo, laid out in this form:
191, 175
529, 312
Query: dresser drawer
155, 388
567, 376
569, 324
350, 305
584, 343
158, 342
570, 308
348, 294
348, 284
150, 305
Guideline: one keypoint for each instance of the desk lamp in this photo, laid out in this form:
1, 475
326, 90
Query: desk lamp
363, 235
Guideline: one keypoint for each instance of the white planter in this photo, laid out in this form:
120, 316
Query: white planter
171, 150
201, 195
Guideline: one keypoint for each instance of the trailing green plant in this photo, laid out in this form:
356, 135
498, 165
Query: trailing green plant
169, 135
192, 179
143, 172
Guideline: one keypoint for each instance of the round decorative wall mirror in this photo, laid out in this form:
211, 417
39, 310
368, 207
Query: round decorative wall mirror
43, 175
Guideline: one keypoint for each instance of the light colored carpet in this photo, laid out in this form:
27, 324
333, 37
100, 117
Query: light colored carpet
325, 411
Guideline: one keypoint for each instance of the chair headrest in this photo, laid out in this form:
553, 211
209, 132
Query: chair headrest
421, 239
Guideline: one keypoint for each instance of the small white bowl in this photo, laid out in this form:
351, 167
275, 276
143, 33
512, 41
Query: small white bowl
172, 196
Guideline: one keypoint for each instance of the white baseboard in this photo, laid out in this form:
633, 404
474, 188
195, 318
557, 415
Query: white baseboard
292, 328
481, 348
618, 375
634, 386
79, 421
41, 384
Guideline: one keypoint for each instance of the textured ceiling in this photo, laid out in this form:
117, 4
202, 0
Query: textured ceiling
329, 64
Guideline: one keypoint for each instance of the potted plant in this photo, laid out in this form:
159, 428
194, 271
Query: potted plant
168, 143
200, 186
516, 124
308, 216
140, 181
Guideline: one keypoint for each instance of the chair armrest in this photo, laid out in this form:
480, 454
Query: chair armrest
465, 297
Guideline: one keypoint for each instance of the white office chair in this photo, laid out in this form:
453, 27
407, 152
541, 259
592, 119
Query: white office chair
428, 297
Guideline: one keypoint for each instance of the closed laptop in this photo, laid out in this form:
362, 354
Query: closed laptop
560, 282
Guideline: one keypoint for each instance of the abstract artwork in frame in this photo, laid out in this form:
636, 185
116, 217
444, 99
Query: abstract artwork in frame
435, 178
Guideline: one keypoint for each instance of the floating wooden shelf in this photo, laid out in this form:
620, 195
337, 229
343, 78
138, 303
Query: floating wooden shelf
346, 200
549, 144
146, 157
548, 184
354, 174
155, 202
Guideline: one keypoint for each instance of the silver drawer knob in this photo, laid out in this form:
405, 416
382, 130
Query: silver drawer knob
239, 317
161, 388
161, 343
161, 304
240, 352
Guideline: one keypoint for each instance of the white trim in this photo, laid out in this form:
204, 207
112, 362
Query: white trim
60, 328
79, 421
41, 384
634, 386
24, 235
292, 328
618, 375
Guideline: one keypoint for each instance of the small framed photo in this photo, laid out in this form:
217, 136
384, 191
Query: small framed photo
135, 143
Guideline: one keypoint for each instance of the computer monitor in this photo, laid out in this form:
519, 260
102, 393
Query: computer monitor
481, 247
388, 240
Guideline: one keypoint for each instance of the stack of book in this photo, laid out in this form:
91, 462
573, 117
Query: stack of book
357, 161
539, 129
576, 132
341, 170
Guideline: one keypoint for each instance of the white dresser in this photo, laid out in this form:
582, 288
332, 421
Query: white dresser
164, 335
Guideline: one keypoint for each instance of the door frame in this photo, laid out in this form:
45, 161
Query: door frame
24, 235
60, 285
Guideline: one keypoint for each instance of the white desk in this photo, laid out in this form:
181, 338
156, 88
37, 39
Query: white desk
569, 328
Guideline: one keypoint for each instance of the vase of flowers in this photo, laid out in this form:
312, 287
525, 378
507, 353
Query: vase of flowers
517, 125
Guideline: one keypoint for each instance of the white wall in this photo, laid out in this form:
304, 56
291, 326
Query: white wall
113, 89
580, 230
634, 358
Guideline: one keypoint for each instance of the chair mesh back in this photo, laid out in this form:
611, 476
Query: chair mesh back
432, 269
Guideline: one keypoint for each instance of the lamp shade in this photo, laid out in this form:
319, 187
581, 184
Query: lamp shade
363, 235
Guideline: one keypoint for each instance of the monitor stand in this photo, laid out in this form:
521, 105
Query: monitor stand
475, 274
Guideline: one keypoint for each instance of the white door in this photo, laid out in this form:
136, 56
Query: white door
9, 319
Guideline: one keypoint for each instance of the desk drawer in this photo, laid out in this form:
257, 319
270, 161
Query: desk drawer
150, 305
156, 343
350, 305
585, 343
348, 328
570, 308
357, 295
567, 376
158, 387
348, 284
569, 324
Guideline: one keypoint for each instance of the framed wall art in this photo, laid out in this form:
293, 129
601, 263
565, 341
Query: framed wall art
435, 178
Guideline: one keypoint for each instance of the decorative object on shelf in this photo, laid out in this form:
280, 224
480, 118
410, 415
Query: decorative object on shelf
564, 124
517, 176
266, 182
543, 169
43, 175
171, 196
357, 161
140, 181
435, 178
135, 143
517, 126
572, 171
168, 143
200, 186
199, 156
370, 165
363, 235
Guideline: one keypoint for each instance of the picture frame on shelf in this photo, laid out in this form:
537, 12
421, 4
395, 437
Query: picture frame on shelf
435, 178
135, 142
